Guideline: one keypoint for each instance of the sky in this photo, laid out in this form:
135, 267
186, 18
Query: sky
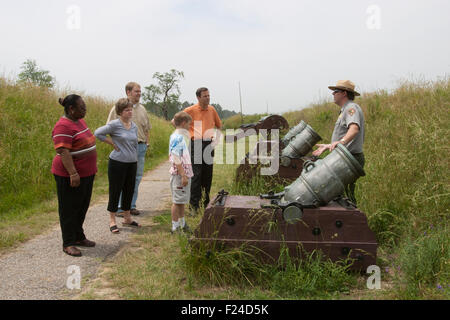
283, 53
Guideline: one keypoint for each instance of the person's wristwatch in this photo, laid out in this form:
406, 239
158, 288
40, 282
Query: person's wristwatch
343, 141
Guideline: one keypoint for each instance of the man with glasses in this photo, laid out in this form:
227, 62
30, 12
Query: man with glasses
349, 127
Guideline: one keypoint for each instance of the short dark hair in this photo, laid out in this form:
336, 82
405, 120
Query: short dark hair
69, 101
122, 104
350, 95
181, 117
199, 91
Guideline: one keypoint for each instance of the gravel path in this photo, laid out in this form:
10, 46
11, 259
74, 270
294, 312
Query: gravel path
38, 269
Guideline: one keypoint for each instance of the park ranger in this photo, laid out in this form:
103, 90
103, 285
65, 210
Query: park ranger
349, 127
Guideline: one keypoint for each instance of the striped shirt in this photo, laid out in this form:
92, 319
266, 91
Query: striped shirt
79, 140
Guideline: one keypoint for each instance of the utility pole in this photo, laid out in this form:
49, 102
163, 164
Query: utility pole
240, 100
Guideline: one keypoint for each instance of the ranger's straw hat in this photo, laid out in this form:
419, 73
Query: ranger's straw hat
346, 85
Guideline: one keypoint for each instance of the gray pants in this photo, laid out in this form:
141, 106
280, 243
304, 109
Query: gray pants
350, 189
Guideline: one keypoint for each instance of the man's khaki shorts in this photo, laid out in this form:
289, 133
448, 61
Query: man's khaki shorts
180, 194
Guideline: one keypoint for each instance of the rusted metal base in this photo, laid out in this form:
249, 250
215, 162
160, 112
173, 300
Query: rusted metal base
247, 171
337, 231
267, 123
288, 171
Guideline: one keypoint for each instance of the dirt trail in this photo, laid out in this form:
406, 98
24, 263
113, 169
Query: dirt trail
38, 269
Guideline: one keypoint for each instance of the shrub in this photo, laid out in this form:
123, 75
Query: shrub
425, 262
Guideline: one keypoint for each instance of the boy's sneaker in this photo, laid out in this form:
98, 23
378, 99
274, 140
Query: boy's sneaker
177, 231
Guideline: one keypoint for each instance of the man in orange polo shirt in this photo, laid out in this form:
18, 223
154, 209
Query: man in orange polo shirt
205, 122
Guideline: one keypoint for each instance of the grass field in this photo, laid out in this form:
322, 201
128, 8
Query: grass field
27, 187
405, 196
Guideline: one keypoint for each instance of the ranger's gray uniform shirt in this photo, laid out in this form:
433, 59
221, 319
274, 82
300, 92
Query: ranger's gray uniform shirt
350, 113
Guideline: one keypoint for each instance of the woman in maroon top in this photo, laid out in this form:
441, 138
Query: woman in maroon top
74, 168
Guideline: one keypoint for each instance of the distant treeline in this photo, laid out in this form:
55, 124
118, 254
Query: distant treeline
160, 98
176, 106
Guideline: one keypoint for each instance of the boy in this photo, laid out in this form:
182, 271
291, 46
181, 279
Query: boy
180, 170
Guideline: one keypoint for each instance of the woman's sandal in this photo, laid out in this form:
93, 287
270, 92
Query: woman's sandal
114, 229
133, 224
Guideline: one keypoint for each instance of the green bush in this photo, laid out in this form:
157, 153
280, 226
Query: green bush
311, 277
425, 263
28, 115
236, 121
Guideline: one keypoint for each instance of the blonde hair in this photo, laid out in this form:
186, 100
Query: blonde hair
130, 86
122, 104
181, 117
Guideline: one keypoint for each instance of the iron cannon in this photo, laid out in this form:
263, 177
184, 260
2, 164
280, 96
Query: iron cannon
310, 214
292, 152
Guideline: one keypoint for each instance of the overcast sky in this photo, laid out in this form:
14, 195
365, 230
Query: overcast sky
284, 53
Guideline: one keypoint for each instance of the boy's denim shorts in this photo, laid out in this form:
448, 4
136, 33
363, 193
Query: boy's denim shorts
180, 194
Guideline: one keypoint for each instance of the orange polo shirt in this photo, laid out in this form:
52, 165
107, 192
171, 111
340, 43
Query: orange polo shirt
209, 120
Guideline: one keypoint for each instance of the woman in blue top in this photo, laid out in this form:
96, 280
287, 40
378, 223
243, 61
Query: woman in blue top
122, 162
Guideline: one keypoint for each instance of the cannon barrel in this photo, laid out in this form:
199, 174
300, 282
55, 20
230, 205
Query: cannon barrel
300, 141
306, 217
324, 180
299, 145
293, 132
266, 123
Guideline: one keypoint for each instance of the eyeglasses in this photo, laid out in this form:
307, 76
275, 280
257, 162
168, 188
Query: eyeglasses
337, 91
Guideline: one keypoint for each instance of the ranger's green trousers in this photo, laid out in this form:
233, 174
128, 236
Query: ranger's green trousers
350, 189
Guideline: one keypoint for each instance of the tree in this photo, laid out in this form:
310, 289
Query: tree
162, 98
186, 104
223, 113
152, 100
218, 108
173, 105
32, 74
227, 114
168, 86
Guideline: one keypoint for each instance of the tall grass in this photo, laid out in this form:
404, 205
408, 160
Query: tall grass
424, 264
311, 277
236, 121
406, 188
406, 150
27, 117
405, 196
